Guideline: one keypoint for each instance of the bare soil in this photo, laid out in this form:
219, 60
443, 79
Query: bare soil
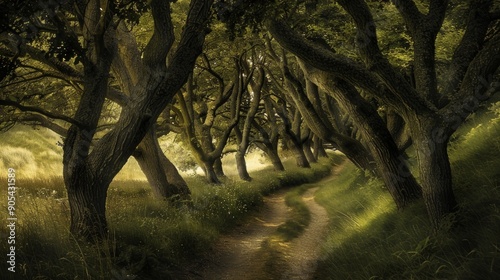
303, 253
241, 254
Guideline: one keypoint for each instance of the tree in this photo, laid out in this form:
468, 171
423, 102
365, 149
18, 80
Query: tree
204, 112
47, 82
252, 101
88, 169
433, 110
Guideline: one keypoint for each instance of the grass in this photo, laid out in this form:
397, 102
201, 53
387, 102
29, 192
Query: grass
369, 239
148, 239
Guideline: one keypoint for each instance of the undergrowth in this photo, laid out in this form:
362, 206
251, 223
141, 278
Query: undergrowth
148, 238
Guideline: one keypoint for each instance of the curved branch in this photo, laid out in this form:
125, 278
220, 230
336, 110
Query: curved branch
40, 111
158, 47
45, 122
479, 84
344, 68
472, 41
367, 44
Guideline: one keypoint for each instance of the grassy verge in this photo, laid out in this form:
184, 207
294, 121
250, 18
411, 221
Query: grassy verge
149, 239
369, 239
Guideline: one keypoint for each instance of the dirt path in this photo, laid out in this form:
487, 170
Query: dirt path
303, 252
239, 254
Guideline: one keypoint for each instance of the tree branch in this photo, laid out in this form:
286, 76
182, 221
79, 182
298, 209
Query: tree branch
45, 122
479, 84
344, 68
411, 15
40, 111
472, 41
158, 47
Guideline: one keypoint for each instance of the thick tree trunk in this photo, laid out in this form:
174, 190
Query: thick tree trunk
298, 152
272, 154
162, 175
308, 152
87, 202
210, 173
87, 175
391, 166
219, 170
275, 160
241, 165
435, 174
318, 149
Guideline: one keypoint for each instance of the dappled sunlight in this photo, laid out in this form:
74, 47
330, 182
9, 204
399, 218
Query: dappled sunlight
351, 224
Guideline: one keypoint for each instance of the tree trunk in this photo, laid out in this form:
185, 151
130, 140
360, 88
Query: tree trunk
87, 174
210, 173
276, 161
300, 156
318, 149
241, 165
87, 202
391, 166
162, 175
272, 154
308, 152
435, 174
219, 170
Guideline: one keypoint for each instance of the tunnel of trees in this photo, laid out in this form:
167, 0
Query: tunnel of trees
371, 78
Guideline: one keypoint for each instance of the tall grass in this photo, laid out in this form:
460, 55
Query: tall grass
148, 238
370, 239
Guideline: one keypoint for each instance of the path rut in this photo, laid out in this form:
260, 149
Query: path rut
303, 252
238, 254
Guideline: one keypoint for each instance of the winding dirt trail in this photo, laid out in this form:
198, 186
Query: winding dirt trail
239, 255
303, 252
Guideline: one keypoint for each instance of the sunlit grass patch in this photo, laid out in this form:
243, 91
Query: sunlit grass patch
147, 237
370, 239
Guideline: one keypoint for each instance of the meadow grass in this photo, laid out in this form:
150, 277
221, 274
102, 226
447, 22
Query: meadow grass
148, 238
369, 239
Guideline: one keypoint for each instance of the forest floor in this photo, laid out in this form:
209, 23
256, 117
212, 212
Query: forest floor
249, 251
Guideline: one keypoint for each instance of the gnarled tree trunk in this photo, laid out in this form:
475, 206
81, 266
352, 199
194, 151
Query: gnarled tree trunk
431, 144
162, 175
87, 174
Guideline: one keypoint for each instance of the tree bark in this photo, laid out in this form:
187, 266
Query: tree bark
87, 202
435, 170
391, 166
210, 172
243, 137
87, 174
269, 145
272, 154
308, 152
163, 177
241, 165
219, 170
